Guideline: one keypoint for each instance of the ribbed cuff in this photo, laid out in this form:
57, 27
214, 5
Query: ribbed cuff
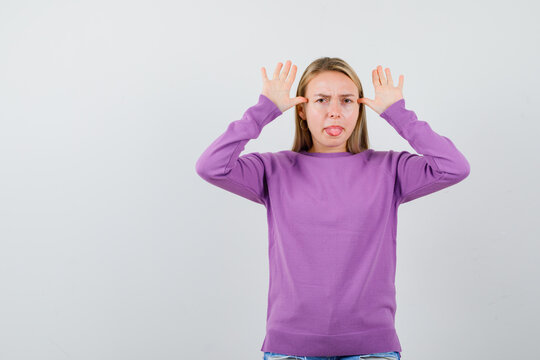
269, 107
393, 109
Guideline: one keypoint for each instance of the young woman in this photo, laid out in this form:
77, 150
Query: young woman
332, 207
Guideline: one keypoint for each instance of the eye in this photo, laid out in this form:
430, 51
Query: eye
349, 100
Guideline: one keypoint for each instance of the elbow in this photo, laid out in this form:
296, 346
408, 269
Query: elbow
462, 171
458, 172
461, 168
202, 169
207, 168
466, 169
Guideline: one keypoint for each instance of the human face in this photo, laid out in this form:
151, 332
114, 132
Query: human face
332, 101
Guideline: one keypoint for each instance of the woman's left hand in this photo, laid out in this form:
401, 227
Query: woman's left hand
385, 92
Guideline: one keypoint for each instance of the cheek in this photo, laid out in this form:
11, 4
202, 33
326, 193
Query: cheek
351, 112
315, 120
352, 118
351, 123
314, 112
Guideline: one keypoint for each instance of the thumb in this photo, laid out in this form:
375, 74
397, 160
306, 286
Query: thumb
365, 101
298, 100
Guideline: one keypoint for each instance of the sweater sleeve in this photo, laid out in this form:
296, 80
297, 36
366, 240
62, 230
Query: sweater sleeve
440, 164
221, 164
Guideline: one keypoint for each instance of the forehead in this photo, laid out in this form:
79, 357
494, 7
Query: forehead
331, 83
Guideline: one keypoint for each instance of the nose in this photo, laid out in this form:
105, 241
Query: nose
334, 109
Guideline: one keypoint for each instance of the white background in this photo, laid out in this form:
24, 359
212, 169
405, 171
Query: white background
112, 247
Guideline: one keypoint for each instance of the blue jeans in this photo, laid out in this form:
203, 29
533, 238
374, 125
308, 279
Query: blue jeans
392, 355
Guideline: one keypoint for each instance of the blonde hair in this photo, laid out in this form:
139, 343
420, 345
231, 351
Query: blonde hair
358, 141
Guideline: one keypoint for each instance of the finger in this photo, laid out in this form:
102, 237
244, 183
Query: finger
276, 72
263, 72
285, 72
389, 76
400, 82
299, 100
382, 79
292, 75
364, 101
375, 78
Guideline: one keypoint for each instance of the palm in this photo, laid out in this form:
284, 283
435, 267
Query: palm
385, 92
278, 88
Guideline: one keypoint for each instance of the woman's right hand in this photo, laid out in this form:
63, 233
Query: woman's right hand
279, 87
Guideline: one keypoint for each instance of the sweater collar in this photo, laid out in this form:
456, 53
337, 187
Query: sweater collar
328, 154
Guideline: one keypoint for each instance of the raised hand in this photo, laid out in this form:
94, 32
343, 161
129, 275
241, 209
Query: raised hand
279, 88
385, 92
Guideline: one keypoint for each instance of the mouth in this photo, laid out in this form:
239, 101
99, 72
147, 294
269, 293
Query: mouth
334, 130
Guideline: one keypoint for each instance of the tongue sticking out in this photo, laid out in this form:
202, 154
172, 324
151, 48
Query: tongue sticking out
333, 131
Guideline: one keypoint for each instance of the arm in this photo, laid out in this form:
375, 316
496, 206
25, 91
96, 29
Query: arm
221, 164
440, 165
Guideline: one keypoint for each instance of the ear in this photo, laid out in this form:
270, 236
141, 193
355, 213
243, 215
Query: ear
301, 111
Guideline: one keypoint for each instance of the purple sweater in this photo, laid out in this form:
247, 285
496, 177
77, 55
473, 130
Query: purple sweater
332, 220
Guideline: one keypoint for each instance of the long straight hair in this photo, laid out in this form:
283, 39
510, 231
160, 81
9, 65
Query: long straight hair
358, 141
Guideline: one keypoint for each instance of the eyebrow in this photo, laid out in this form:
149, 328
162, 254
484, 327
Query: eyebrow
342, 95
